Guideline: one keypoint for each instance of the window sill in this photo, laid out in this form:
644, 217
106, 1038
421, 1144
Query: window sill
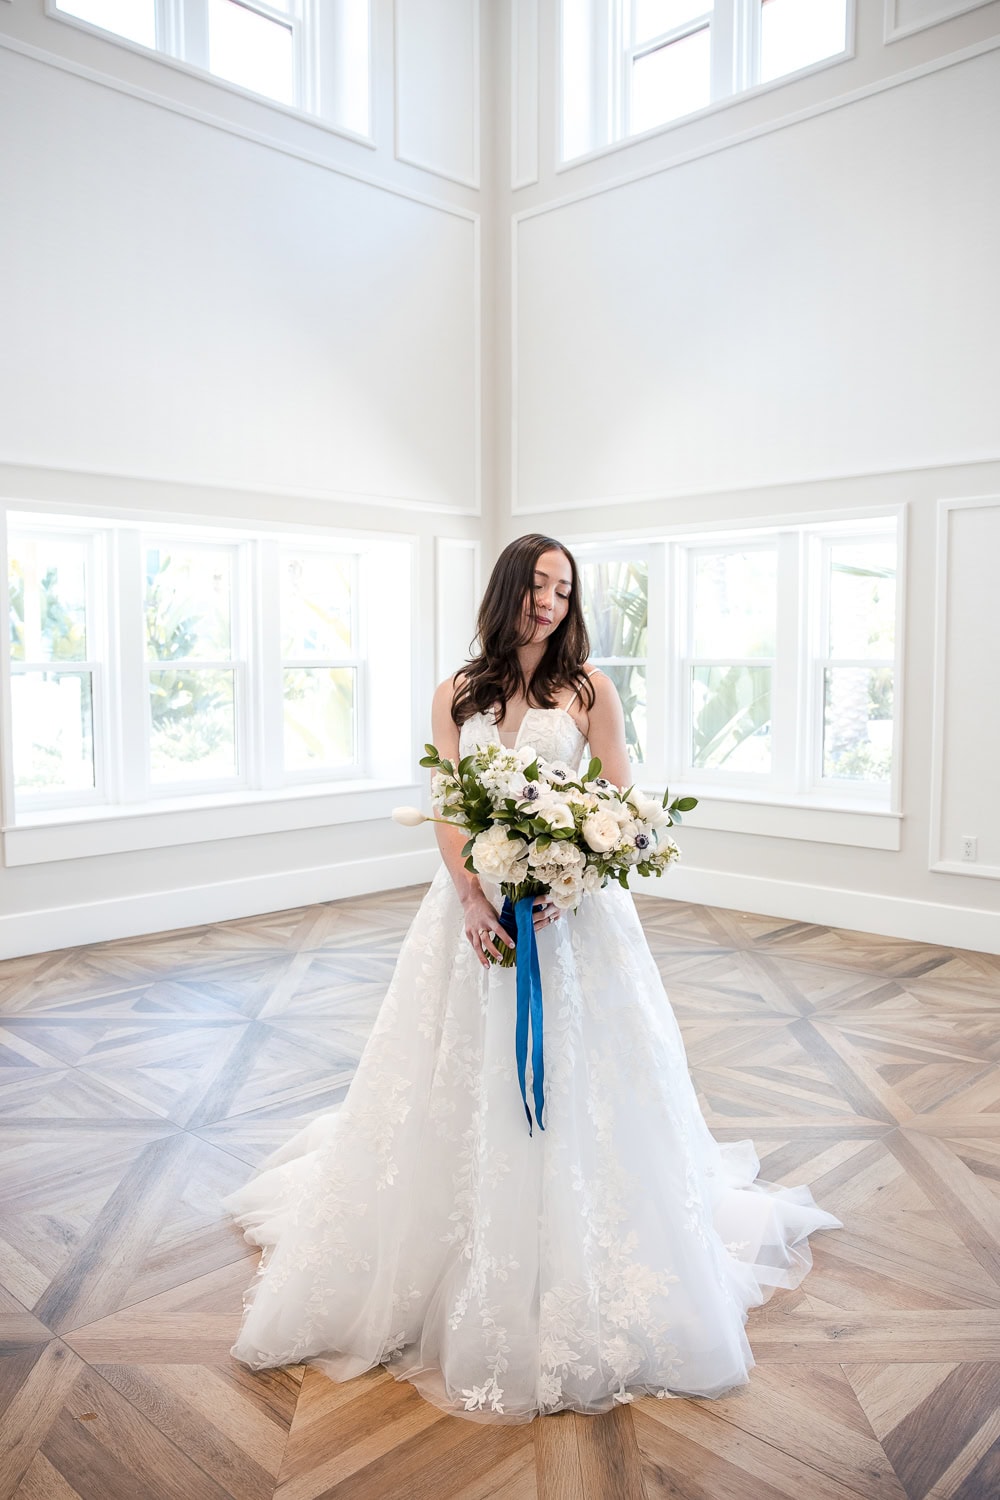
61, 833
814, 819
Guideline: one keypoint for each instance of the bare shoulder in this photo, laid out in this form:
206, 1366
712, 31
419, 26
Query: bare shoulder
607, 703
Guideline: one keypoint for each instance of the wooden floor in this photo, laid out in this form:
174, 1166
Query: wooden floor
142, 1080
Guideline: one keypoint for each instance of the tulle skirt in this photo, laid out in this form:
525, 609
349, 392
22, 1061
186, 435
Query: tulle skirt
614, 1253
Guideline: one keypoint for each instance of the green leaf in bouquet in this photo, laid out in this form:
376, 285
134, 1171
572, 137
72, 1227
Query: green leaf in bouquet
543, 840
666, 796
428, 760
593, 770
432, 750
467, 847
685, 804
531, 772
623, 878
446, 765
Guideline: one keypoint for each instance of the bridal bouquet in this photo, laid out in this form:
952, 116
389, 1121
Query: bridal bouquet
536, 829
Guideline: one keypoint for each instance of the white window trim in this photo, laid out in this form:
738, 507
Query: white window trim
178, 814
307, 68
745, 45
834, 813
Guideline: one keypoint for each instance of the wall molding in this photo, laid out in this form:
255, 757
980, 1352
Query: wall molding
936, 860
437, 168
828, 106
229, 127
12, 492
523, 68
894, 30
828, 906
192, 906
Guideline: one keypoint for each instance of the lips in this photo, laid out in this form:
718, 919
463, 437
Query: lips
541, 620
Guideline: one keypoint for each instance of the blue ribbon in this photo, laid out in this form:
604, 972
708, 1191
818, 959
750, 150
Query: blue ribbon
529, 1001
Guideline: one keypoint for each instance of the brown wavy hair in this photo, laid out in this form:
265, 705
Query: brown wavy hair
493, 675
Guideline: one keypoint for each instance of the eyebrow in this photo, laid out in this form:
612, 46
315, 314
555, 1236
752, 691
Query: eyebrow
540, 572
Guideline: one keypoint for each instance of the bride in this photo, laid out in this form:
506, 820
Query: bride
421, 1226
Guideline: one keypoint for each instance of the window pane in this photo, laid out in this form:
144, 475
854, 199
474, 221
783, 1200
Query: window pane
319, 718
48, 599
192, 725
631, 685
857, 723
795, 33
616, 607
654, 17
251, 49
731, 718
134, 19
188, 603
316, 605
734, 603
672, 81
863, 599
53, 731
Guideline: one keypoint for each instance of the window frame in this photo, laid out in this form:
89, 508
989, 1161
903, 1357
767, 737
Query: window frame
96, 663
310, 56
66, 824
647, 555
733, 65
791, 800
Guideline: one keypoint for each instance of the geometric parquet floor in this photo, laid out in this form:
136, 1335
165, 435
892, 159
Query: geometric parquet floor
142, 1080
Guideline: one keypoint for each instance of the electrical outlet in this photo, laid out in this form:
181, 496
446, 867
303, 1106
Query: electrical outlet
969, 849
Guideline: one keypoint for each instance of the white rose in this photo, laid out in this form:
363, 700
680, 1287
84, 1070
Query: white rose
524, 755
566, 889
592, 879
495, 855
555, 814
601, 832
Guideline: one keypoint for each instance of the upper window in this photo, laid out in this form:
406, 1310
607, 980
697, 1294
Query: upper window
765, 661
629, 66
307, 54
173, 662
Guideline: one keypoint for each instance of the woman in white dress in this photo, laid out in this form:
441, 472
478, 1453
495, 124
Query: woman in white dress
614, 1253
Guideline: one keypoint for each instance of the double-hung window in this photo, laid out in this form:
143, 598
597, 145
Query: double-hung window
630, 66
310, 55
160, 666
766, 665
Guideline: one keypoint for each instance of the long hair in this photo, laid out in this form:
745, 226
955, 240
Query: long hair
493, 675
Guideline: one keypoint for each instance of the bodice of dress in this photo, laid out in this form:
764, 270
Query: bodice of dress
553, 732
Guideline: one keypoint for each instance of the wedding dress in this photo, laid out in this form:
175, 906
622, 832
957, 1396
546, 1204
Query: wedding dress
614, 1253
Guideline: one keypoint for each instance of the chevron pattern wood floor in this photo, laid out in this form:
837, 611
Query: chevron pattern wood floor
141, 1080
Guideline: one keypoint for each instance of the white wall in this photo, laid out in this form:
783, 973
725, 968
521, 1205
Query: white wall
787, 307
243, 383
214, 308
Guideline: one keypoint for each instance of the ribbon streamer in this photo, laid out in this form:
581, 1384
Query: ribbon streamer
529, 1002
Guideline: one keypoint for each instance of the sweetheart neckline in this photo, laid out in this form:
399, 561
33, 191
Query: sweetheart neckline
534, 709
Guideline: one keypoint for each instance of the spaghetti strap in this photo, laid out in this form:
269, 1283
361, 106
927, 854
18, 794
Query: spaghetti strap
577, 693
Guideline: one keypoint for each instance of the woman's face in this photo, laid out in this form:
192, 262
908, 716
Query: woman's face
546, 604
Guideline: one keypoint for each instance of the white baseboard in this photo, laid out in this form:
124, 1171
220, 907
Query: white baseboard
163, 911
862, 911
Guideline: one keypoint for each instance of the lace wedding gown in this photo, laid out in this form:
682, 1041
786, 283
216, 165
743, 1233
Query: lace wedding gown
505, 1274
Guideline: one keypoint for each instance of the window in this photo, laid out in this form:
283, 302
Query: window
310, 55
56, 666
154, 663
616, 607
629, 66
761, 664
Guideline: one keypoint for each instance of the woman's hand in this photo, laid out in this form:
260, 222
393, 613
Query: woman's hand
481, 920
544, 912
482, 923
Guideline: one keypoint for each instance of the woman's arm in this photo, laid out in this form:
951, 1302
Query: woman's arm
480, 914
606, 731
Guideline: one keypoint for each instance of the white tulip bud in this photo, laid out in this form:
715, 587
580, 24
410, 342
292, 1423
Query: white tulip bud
410, 817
